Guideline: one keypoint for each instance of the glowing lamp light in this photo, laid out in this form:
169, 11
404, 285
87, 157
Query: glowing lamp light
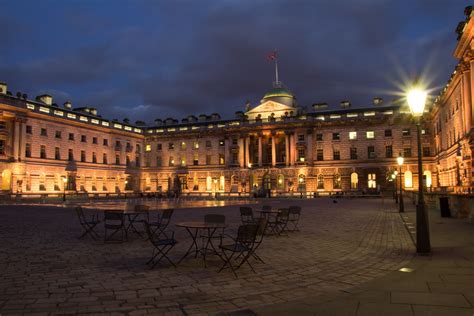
416, 99
64, 180
280, 181
300, 180
249, 165
394, 176
395, 172
302, 159
400, 160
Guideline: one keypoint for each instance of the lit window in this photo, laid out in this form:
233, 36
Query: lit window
370, 134
183, 146
148, 147
196, 145
372, 183
352, 135
354, 180
408, 179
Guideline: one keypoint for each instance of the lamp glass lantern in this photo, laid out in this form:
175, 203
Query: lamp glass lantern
400, 160
416, 99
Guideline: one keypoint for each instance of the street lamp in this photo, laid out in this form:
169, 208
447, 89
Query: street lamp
416, 99
64, 189
394, 180
401, 206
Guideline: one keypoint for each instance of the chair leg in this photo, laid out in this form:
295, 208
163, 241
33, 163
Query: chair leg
228, 263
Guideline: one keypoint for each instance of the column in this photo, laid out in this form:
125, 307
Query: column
273, 151
22, 140
16, 140
241, 153
260, 150
309, 148
287, 149
292, 149
226, 151
247, 156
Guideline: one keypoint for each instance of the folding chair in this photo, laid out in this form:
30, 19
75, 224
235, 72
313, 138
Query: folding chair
294, 218
246, 214
242, 246
163, 221
266, 207
137, 218
114, 221
161, 246
262, 227
281, 221
88, 225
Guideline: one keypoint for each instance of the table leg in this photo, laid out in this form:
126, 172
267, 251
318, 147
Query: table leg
193, 245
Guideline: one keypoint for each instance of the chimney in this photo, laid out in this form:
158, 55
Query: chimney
345, 104
3, 88
320, 106
93, 111
378, 101
68, 105
45, 98
202, 117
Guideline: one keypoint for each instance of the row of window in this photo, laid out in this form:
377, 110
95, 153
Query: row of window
354, 154
183, 145
182, 161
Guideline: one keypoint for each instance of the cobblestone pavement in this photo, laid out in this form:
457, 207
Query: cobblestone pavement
45, 269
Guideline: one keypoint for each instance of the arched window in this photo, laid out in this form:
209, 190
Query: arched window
336, 181
427, 175
408, 179
221, 183
208, 183
320, 182
354, 180
372, 180
281, 182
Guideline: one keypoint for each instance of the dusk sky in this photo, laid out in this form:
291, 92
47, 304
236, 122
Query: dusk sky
157, 59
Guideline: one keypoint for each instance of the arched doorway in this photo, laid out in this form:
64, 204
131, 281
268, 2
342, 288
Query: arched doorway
6, 180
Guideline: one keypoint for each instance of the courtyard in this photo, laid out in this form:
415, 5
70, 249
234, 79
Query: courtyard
46, 269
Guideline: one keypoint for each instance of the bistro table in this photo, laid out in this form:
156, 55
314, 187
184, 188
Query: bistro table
193, 227
271, 216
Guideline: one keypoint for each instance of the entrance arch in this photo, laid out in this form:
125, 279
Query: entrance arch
6, 180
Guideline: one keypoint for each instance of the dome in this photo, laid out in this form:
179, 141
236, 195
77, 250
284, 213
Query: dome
280, 95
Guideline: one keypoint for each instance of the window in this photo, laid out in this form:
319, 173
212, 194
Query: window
183, 161
371, 181
57, 153
235, 158
83, 156
171, 162
159, 161
183, 146
336, 181
352, 135
94, 140
170, 146
43, 152
408, 179
106, 142
196, 160
3, 125
58, 134
235, 141
406, 132
29, 129
83, 138
320, 182
196, 145
148, 148
71, 136
2, 147
117, 159
426, 152
388, 151
221, 159
104, 159
70, 155
370, 134
407, 152
319, 137
127, 161
370, 152
354, 180
221, 142
319, 155
427, 176
301, 137
336, 136
301, 155
336, 155
28, 150
425, 131
208, 159
388, 133
353, 153
44, 132
208, 144
94, 158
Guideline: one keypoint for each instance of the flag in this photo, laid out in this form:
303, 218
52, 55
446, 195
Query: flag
272, 56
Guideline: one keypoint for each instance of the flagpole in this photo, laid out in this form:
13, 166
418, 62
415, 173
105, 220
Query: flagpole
276, 71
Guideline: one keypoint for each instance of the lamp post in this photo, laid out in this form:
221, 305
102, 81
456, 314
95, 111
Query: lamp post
64, 188
394, 179
401, 206
416, 99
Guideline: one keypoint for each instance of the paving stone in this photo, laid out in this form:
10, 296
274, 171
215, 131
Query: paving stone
385, 309
418, 298
420, 310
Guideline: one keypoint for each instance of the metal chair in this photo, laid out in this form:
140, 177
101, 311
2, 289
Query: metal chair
140, 215
163, 221
246, 215
281, 221
114, 221
266, 207
294, 218
161, 246
242, 246
88, 225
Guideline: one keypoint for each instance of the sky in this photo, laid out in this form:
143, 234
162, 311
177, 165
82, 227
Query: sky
144, 60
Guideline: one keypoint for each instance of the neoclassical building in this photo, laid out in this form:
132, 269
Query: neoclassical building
276, 147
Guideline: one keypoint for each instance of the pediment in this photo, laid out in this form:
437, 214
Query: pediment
267, 108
